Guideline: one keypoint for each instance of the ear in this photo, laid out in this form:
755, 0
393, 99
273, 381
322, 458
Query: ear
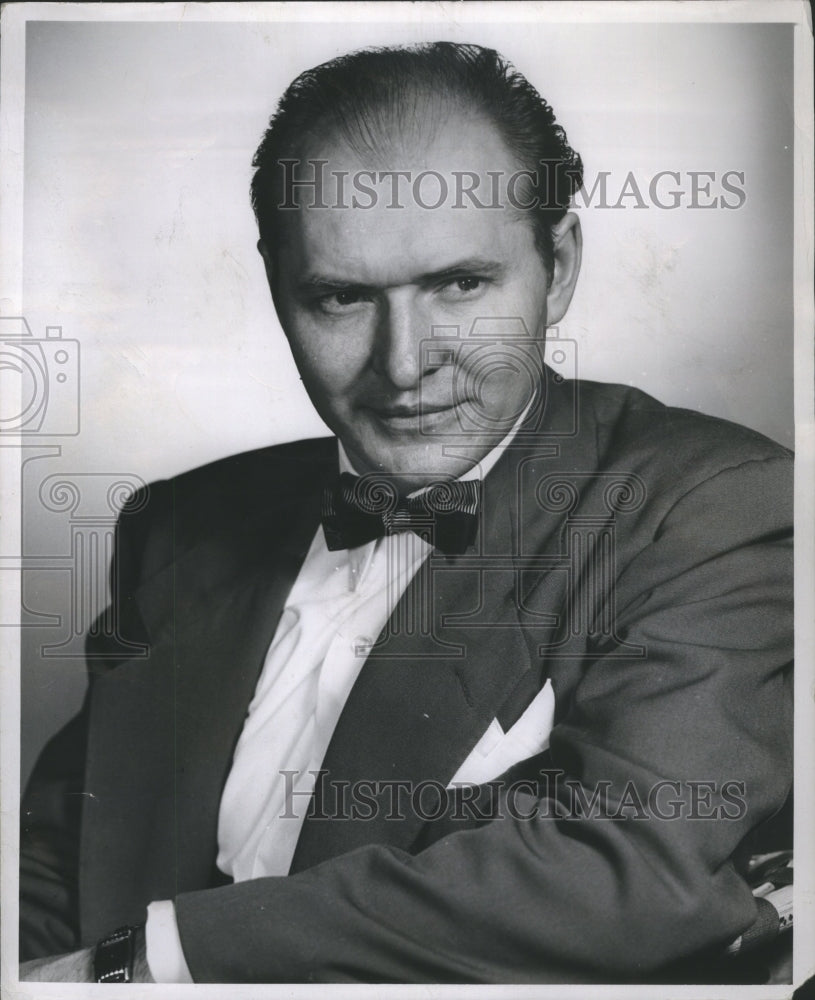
268, 263
568, 252
272, 275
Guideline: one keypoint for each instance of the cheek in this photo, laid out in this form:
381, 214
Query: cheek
326, 361
524, 299
529, 303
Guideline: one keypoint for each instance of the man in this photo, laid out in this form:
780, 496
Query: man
505, 701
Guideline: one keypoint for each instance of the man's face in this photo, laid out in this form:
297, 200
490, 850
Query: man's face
360, 292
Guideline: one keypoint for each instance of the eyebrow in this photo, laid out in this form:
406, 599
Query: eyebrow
470, 265
316, 283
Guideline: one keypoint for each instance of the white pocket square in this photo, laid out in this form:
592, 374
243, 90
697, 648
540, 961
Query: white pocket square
496, 750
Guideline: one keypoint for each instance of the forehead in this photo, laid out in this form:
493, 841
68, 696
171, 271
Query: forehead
414, 200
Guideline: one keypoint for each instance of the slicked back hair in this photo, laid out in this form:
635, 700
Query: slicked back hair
366, 97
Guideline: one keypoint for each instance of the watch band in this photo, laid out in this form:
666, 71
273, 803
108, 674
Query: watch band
113, 958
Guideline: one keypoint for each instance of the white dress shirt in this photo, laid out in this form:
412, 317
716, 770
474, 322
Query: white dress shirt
337, 607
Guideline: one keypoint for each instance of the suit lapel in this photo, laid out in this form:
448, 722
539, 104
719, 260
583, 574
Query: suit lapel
164, 728
425, 695
220, 659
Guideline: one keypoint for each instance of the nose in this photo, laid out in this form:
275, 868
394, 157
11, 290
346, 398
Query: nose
402, 329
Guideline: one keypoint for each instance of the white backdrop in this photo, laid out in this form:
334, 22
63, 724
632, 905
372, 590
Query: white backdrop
140, 243
139, 240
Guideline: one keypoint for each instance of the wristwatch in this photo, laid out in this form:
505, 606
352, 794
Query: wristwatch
113, 958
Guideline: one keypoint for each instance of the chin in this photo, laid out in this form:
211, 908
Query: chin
419, 464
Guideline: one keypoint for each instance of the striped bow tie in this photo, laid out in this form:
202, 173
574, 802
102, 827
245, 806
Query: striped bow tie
358, 509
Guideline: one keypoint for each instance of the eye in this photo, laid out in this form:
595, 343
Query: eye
468, 284
465, 287
342, 300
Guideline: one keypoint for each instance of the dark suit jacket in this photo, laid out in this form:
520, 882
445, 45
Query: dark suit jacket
636, 555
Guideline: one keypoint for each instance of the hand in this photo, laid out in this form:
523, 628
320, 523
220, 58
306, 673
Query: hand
77, 966
74, 967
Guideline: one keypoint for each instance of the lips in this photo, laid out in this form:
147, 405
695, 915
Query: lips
416, 410
415, 418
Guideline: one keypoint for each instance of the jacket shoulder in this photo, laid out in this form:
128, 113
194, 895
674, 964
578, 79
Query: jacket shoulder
228, 497
242, 475
631, 425
290, 458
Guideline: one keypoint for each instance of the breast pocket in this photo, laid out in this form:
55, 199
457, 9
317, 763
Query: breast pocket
497, 750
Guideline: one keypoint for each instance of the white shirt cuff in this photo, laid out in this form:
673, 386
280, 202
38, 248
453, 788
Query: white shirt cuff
165, 956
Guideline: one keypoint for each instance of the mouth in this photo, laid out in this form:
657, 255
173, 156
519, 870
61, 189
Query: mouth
413, 416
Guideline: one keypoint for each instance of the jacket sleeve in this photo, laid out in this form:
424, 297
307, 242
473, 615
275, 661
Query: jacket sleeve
49, 845
705, 718
51, 808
